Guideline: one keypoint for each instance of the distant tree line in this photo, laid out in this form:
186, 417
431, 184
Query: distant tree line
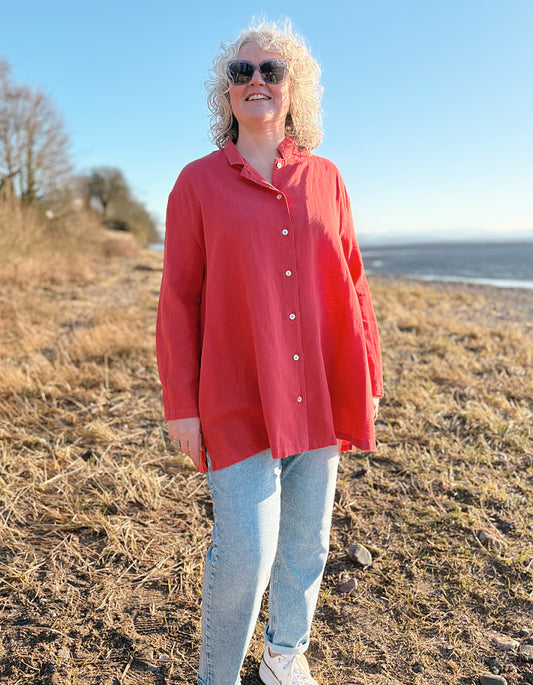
109, 193
35, 163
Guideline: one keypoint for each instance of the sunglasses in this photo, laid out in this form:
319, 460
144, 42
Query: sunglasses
241, 72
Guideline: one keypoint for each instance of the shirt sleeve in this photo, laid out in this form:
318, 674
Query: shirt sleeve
178, 330
355, 263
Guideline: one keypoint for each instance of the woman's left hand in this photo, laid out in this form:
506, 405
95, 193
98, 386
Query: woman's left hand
376, 407
186, 434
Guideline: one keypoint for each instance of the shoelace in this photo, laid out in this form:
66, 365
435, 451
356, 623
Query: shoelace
293, 668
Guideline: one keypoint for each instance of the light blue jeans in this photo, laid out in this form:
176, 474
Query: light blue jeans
272, 524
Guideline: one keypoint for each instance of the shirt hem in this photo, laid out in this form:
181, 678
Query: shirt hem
351, 443
222, 462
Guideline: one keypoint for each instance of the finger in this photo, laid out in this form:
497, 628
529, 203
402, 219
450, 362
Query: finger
194, 444
195, 459
189, 444
179, 441
193, 452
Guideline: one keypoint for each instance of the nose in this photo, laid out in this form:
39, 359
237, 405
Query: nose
257, 78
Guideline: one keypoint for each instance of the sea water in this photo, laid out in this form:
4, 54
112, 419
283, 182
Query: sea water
505, 265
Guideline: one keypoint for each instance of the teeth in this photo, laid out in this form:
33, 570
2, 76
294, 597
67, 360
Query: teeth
257, 97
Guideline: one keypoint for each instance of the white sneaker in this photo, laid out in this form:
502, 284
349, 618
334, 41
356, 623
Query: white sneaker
285, 670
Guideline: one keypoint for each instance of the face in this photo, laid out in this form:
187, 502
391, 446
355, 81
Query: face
258, 105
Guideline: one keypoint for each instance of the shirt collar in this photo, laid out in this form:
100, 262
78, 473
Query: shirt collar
287, 150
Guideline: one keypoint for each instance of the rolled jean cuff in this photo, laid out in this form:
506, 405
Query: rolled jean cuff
280, 649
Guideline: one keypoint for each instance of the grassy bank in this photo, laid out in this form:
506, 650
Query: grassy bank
58, 247
104, 527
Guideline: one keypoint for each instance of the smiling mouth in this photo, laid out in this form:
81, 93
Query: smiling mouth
257, 96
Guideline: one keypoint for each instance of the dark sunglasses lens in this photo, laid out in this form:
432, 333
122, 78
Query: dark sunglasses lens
273, 72
241, 72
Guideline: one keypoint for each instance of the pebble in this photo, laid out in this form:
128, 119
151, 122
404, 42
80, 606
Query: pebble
360, 555
348, 586
505, 643
63, 653
504, 526
494, 666
491, 679
488, 540
146, 653
526, 652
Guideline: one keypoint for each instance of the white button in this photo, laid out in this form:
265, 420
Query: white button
285, 231
279, 165
296, 357
288, 272
279, 196
292, 317
299, 398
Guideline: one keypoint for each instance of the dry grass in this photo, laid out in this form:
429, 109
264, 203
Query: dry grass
104, 529
60, 250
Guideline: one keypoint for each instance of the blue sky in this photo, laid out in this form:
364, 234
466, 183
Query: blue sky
428, 104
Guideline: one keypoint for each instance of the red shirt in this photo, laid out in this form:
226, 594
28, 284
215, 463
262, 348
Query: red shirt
265, 326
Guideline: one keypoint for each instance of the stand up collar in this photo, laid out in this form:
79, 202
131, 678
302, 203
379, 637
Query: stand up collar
287, 150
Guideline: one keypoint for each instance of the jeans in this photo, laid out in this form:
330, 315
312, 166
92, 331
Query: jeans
272, 524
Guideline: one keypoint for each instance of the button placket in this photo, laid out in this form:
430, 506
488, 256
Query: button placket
294, 333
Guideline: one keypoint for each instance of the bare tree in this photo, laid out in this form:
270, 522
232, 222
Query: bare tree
107, 185
9, 162
33, 143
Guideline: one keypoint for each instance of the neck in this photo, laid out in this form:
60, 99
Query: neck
260, 151
259, 144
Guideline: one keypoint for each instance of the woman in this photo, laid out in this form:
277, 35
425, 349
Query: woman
267, 349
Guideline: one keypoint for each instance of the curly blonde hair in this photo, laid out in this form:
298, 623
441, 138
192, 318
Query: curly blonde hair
303, 122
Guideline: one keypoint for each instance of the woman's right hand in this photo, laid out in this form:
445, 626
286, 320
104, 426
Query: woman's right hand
186, 434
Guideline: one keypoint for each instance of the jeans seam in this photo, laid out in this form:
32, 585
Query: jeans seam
274, 577
206, 637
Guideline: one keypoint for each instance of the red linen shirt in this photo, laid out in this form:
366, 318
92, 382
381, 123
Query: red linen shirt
265, 326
